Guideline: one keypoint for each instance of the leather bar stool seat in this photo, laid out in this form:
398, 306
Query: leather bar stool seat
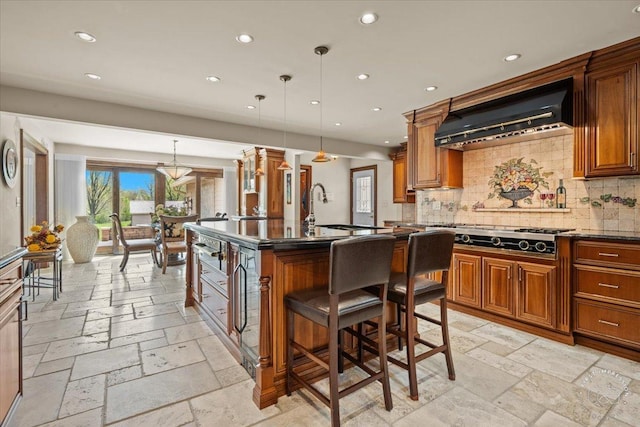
354, 264
425, 289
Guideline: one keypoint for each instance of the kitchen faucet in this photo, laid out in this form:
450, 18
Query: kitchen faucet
311, 219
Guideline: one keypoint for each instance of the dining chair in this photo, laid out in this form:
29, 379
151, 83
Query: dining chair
172, 236
354, 264
133, 245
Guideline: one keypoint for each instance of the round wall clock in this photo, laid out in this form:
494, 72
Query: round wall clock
9, 163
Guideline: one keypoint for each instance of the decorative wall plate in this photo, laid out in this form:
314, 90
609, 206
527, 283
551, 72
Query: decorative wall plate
9, 163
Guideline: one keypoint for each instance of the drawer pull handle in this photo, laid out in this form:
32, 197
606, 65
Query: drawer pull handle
608, 323
606, 285
608, 254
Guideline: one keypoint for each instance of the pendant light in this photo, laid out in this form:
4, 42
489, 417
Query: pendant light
321, 157
284, 166
259, 171
174, 170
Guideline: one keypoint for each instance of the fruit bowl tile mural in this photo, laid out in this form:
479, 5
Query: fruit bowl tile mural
516, 179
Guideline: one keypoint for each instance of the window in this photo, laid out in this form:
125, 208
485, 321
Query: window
363, 194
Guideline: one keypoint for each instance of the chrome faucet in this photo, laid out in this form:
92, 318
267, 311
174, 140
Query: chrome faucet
311, 219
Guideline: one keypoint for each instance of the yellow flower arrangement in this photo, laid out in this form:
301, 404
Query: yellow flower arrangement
43, 237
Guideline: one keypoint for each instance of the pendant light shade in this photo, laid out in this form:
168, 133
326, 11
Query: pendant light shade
321, 157
174, 170
259, 171
284, 166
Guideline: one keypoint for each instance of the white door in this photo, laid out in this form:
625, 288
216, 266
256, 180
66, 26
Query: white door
363, 203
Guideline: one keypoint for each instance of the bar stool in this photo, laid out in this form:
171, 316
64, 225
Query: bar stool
355, 263
429, 252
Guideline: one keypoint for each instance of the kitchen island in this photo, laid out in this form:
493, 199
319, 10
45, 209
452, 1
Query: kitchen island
238, 273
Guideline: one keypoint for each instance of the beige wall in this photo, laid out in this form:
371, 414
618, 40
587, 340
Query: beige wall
554, 154
11, 211
10, 219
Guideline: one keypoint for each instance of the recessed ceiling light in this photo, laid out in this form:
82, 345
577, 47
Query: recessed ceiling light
213, 79
363, 76
314, 102
430, 88
338, 124
368, 18
85, 36
92, 76
251, 107
636, 9
244, 38
376, 109
512, 57
386, 142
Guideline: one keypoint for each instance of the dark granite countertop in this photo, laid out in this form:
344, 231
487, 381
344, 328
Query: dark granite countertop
282, 235
632, 236
9, 257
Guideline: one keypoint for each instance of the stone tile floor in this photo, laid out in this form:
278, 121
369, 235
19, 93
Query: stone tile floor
120, 349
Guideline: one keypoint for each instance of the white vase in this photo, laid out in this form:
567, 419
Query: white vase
82, 240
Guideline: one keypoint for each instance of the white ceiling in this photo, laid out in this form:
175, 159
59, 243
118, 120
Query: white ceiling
156, 55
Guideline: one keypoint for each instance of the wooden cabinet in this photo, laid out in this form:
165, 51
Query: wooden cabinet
606, 301
272, 186
535, 296
263, 190
10, 338
612, 121
511, 286
498, 289
521, 290
401, 193
467, 279
428, 166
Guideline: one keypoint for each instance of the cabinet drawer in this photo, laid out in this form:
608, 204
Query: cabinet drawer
217, 304
215, 278
609, 321
622, 286
607, 254
10, 279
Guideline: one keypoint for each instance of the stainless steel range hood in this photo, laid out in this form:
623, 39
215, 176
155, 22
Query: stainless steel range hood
540, 109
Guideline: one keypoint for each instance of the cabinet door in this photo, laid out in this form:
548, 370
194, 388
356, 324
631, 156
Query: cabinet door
275, 188
612, 117
432, 167
399, 180
9, 353
196, 270
427, 162
466, 279
498, 286
535, 296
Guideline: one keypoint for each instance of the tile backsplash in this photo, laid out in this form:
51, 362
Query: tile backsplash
552, 154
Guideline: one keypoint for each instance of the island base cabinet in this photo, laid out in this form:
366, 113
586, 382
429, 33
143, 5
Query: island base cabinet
10, 373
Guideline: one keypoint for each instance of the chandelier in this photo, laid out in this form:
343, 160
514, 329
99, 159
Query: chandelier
174, 170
